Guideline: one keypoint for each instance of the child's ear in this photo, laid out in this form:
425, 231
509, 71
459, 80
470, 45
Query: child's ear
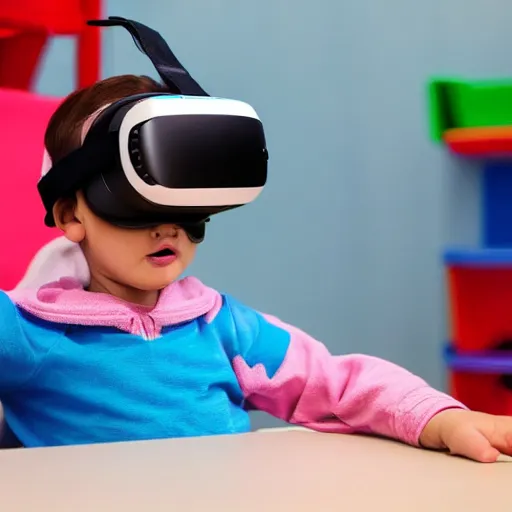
66, 219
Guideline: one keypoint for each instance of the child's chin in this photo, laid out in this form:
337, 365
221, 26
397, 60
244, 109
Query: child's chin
154, 285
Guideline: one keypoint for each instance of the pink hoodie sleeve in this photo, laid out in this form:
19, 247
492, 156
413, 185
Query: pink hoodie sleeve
345, 394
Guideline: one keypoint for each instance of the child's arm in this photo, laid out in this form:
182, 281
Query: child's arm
17, 358
288, 374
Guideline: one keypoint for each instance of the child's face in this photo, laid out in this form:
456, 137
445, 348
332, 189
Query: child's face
124, 259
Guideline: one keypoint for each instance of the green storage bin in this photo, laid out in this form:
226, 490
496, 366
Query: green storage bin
481, 103
467, 104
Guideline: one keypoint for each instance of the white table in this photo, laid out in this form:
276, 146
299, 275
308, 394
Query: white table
263, 472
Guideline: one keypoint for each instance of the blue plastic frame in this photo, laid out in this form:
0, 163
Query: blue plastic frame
478, 362
486, 257
496, 221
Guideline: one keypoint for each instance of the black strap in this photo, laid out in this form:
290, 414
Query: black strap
76, 169
151, 43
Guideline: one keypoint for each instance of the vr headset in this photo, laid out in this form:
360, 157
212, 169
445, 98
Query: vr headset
174, 158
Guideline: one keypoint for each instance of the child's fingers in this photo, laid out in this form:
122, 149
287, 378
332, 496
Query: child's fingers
501, 435
473, 444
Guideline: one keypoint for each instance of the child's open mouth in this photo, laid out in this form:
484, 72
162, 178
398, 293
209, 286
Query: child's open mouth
162, 257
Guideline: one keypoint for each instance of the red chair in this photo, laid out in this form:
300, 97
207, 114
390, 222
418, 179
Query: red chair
26, 25
23, 233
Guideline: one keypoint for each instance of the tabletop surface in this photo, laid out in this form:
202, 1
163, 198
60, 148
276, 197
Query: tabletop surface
280, 471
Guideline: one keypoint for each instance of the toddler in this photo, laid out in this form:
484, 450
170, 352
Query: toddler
132, 352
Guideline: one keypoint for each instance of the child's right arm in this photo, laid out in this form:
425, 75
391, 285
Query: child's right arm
17, 357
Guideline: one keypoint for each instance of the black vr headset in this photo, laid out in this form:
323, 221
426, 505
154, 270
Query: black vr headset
156, 158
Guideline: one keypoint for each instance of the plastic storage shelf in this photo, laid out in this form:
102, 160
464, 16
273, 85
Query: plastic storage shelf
481, 380
474, 119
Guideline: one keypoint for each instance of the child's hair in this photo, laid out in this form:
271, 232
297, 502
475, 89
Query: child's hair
63, 133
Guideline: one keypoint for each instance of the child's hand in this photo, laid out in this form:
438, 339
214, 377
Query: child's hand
475, 435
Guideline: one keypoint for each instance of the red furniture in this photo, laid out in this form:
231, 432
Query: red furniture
26, 26
479, 141
480, 303
22, 231
486, 392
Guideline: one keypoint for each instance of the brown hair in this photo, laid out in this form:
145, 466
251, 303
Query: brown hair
63, 133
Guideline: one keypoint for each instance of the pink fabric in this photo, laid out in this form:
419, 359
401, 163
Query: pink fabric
210, 316
67, 302
59, 258
344, 394
47, 163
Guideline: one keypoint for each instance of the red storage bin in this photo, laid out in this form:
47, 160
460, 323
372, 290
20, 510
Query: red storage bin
480, 299
482, 380
482, 392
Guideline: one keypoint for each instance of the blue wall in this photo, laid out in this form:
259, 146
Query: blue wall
346, 240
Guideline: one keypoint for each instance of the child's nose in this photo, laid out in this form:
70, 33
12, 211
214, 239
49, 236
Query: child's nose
165, 231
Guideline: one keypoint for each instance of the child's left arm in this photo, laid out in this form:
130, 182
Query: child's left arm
285, 372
